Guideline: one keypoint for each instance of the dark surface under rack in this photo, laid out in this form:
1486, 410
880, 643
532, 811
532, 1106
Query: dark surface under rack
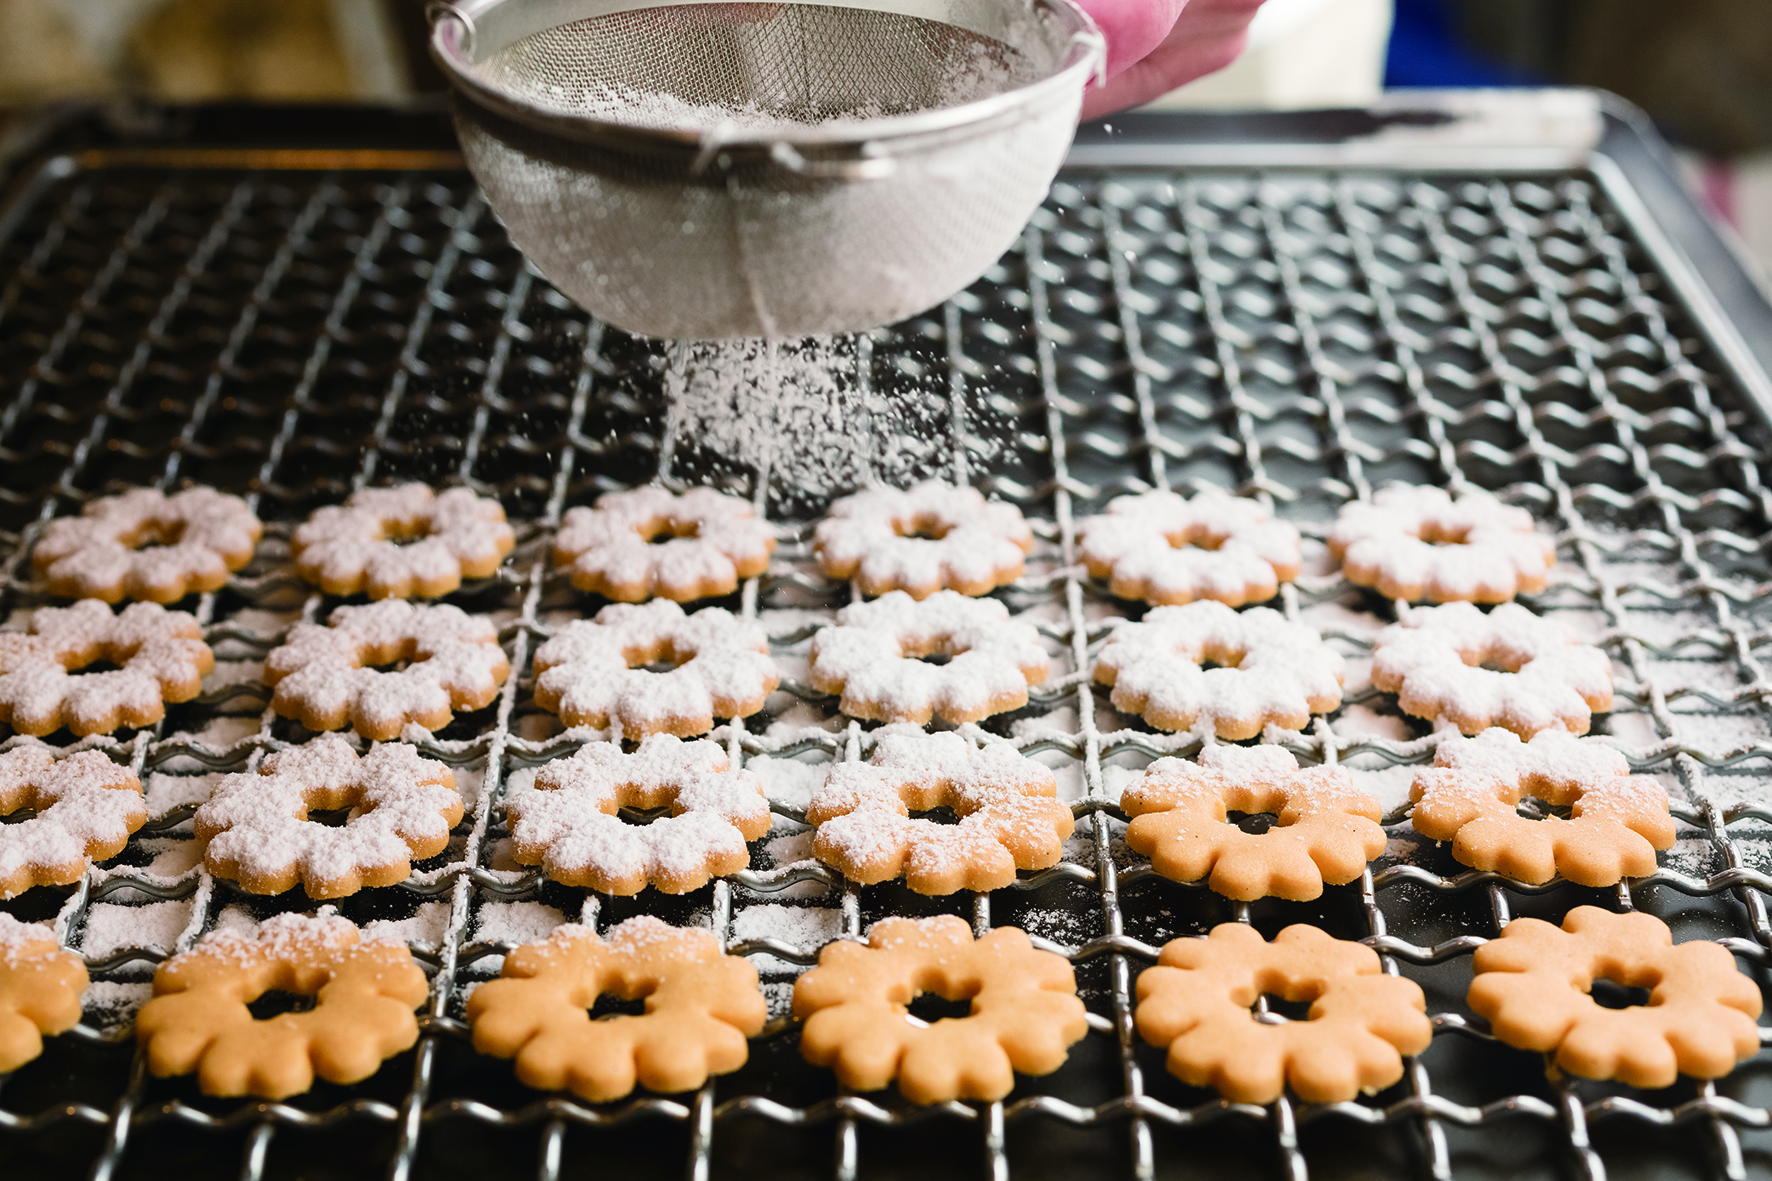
294, 321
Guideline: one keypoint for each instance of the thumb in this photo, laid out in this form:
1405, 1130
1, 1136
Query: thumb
1133, 28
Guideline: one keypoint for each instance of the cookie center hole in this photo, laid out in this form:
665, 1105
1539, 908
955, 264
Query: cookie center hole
1195, 539
22, 816
609, 1006
405, 533
1279, 1010
930, 1007
642, 815
158, 535
1253, 823
663, 659
277, 1002
330, 817
940, 815
937, 654
921, 528
659, 532
1536, 809
1609, 994
1434, 536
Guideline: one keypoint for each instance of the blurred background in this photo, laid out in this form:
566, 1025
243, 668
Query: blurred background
1701, 68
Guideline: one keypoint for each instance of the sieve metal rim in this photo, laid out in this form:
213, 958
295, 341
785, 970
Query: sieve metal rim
456, 33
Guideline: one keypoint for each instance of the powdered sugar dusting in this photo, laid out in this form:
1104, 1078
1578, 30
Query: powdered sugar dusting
1163, 548
1274, 672
1434, 659
567, 822
871, 658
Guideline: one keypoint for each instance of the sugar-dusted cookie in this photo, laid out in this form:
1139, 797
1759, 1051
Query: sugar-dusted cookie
147, 545
321, 675
1470, 797
1419, 543
40, 990
260, 832
1273, 672
652, 541
1456, 666
1025, 1012
1009, 815
364, 994
404, 542
1164, 548
83, 809
1198, 1003
1535, 985
701, 1005
567, 823
160, 657
923, 539
873, 658
1325, 828
593, 672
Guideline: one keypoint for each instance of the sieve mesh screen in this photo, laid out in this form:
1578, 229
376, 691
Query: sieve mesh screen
759, 64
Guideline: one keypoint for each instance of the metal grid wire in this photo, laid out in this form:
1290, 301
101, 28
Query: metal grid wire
1301, 338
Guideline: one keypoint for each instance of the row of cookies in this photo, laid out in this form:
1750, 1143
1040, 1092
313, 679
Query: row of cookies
259, 829
1409, 543
1202, 1002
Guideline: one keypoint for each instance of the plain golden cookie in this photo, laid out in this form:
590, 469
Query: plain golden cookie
1025, 1011
40, 990
701, 1005
364, 996
1199, 1002
1535, 985
1325, 828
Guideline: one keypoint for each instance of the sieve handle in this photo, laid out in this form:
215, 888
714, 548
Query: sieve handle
438, 10
865, 168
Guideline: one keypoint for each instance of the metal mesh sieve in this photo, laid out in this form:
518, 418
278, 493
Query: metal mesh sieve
704, 171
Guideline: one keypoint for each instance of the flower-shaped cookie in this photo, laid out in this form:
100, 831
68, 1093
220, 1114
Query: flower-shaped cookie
40, 990
1471, 793
84, 808
1435, 662
873, 658
568, 823
593, 672
1325, 830
1418, 543
147, 545
923, 539
652, 541
1274, 672
701, 1005
321, 676
1025, 1012
160, 656
199, 1020
1198, 1002
1009, 816
260, 832
398, 543
1535, 985
1163, 548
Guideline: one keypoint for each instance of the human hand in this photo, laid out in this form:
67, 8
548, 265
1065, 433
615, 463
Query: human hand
1156, 45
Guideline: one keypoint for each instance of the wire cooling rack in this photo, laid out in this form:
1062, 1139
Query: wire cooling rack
291, 327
